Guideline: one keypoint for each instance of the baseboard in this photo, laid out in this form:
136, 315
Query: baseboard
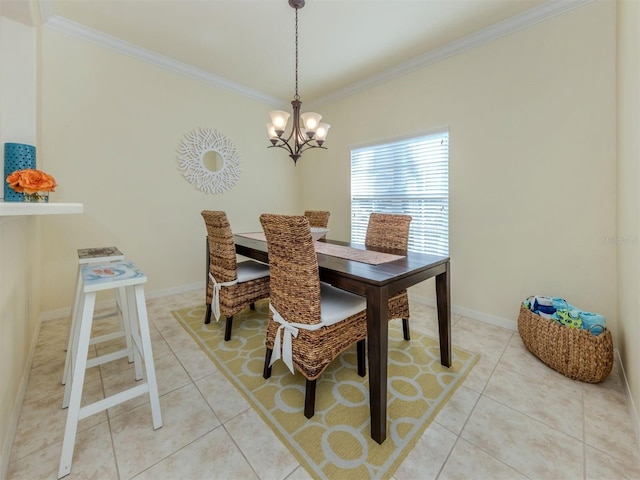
472, 314
633, 411
17, 407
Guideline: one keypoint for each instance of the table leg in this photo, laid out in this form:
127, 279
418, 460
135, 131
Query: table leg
443, 299
377, 342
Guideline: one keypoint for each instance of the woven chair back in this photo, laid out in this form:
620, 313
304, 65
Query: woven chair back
387, 230
317, 218
293, 265
222, 252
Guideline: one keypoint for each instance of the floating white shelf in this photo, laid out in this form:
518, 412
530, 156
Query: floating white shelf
20, 208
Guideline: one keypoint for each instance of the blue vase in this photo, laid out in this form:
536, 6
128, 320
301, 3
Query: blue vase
17, 156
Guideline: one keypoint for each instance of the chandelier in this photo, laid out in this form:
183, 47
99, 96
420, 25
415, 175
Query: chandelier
301, 138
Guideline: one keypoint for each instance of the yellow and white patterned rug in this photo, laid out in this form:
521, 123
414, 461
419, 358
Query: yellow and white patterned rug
336, 442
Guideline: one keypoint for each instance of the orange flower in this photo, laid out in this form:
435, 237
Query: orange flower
31, 181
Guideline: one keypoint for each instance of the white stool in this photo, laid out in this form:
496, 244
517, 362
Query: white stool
87, 256
130, 282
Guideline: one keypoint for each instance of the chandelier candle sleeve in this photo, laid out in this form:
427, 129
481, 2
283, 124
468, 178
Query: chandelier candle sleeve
306, 130
279, 119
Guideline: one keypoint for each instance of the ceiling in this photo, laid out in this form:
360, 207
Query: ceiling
248, 45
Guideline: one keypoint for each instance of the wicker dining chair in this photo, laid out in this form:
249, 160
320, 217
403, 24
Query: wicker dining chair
238, 284
327, 320
317, 218
391, 231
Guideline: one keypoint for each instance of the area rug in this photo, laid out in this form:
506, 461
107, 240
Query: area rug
336, 442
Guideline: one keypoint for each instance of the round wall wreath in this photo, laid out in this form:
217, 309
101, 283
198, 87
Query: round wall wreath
191, 153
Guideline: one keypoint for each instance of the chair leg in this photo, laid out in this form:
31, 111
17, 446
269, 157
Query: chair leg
310, 399
207, 316
266, 373
362, 367
252, 306
227, 329
405, 329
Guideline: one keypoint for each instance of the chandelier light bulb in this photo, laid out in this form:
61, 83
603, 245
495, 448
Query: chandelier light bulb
279, 119
271, 130
311, 120
321, 132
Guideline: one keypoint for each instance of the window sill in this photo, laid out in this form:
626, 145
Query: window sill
18, 208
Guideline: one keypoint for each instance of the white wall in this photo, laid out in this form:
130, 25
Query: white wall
18, 76
532, 161
628, 197
112, 127
20, 271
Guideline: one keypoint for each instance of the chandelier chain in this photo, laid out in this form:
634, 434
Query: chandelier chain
306, 131
297, 97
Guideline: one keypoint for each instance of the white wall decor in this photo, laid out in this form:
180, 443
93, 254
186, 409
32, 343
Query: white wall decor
198, 170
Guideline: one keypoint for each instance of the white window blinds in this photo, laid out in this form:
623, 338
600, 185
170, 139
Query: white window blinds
410, 176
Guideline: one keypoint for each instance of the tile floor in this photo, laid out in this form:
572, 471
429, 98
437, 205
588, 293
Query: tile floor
513, 418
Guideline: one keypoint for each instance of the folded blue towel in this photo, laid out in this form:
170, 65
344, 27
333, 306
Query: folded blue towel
561, 304
594, 322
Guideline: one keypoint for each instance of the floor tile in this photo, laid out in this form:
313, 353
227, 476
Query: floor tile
428, 456
169, 375
186, 417
212, 456
517, 358
554, 403
523, 443
487, 340
92, 458
46, 379
222, 396
600, 465
179, 339
469, 462
607, 426
42, 422
50, 351
480, 375
195, 362
164, 321
455, 413
266, 454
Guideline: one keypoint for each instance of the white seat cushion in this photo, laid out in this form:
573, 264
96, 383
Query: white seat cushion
337, 305
251, 270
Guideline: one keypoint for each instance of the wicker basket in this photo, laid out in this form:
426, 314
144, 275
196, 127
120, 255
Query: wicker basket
575, 353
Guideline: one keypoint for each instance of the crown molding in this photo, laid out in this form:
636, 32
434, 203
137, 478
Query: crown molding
46, 10
518, 22
78, 30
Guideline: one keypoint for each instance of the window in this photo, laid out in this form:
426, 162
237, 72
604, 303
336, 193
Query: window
408, 176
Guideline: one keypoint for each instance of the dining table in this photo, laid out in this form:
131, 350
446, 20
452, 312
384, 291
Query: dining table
377, 282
